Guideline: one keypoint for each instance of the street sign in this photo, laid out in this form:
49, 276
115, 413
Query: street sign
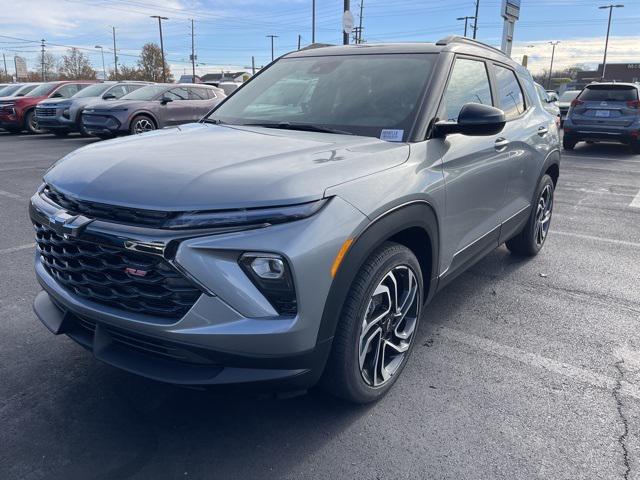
21, 67
510, 9
347, 22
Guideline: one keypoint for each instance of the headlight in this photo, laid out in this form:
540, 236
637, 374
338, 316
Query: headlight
248, 216
270, 273
65, 113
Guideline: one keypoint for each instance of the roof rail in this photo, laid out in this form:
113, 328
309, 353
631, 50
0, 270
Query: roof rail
469, 41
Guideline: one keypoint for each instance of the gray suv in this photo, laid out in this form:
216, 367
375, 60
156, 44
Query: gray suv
62, 115
149, 108
294, 236
607, 112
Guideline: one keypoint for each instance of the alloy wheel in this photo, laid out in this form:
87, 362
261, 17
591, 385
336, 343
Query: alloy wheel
543, 215
143, 125
388, 325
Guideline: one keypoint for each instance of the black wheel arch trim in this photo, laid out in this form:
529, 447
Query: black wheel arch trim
417, 213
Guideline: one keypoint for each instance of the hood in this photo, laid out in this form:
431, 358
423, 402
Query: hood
207, 167
56, 102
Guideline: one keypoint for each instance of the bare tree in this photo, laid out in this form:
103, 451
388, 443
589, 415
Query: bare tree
126, 73
150, 64
76, 65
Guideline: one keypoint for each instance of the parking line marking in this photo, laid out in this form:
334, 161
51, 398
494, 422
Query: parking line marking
17, 249
635, 203
10, 195
584, 190
609, 170
624, 160
598, 239
533, 360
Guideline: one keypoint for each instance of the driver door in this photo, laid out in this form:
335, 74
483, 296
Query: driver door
476, 171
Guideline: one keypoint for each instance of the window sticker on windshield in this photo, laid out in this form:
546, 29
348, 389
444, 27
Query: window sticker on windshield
389, 135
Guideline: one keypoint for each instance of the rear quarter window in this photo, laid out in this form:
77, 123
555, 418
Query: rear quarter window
609, 93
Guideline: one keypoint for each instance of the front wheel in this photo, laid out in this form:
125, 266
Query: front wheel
141, 124
377, 328
568, 143
532, 237
31, 123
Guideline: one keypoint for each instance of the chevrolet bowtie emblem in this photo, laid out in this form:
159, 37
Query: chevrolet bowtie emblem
67, 225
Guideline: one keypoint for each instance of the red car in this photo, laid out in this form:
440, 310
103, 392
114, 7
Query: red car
18, 114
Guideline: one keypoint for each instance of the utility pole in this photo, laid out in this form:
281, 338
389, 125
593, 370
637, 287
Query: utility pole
313, 21
4, 59
272, 37
42, 60
104, 70
164, 70
299, 40
115, 55
553, 52
475, 22
606, 43
193, 53
466, 20
345, 35
253, 65
359, 32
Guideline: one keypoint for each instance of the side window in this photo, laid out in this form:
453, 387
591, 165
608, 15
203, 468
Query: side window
118, 91
509, 92
178, 94
133, 87
196, 93
67, 90
469, 83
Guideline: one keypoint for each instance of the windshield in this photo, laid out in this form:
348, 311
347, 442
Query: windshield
609, 93
373, 95
93, 90
146, 93
9, 90
41, 90
569, 95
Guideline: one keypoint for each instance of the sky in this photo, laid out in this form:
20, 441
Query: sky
229, 32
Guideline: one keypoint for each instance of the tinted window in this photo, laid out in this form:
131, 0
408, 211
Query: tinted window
67, 90
569, 95
609, 93
132, 87
509, 92
542, 93
146, 93
177, 94
118, 91
93, 90
197, 93
9, 90
469, 83
361, 94
41, 90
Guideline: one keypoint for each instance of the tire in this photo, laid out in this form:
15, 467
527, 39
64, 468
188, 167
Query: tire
141, 124
355, 370
30, 123
532, 237
83, 130
568, 143
60, 133
635, 146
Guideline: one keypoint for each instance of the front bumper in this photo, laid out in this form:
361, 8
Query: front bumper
101, 124
231, 334
57, 122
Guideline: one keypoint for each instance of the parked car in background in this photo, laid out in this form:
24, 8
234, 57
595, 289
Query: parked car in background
18, 114
297, 239
63, 115
548, 102
151, 107
607, 112
564, 102
17, 90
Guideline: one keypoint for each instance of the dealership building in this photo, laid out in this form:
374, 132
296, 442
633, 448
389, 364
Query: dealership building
618, 72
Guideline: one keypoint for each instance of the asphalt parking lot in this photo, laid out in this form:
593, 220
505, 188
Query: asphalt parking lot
525, 369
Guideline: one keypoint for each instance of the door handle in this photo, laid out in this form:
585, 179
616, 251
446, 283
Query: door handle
542, 131
501, 144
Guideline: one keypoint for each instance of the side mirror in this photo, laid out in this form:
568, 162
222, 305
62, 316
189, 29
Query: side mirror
108, 96
56, 95
165, 100
474, 119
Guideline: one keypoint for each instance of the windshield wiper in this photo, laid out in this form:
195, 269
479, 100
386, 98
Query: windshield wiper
305, 127
213, 121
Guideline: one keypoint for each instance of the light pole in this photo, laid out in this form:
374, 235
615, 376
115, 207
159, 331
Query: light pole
272, 37
104, 70
115, 55
553, 52
475, 23
164, 71
466, 20
313, 21
606, 43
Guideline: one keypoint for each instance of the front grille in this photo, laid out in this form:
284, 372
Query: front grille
112, 213
119, 278
45, 112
